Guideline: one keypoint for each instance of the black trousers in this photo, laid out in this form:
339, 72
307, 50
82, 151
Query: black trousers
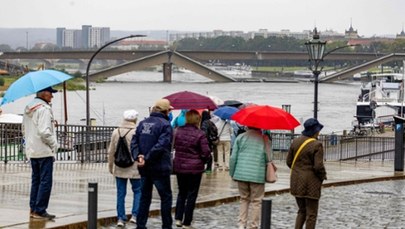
189, 184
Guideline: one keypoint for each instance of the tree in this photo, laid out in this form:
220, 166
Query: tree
5, 48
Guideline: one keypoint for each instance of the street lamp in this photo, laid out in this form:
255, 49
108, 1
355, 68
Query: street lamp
316, 52
87, 74
316, 49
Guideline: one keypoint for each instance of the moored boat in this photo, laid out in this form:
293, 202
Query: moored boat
381, 97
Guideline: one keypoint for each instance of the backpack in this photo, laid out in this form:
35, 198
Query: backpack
211, 132
240, 130
122, 156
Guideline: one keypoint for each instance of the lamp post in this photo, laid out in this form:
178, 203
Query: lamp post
316, 49
87, 74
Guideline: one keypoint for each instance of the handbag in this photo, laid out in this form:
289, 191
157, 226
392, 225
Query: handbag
271, 172
271, 168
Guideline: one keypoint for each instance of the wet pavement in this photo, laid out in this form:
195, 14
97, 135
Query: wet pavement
360, 205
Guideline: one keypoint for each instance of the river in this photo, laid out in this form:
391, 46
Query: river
139, 90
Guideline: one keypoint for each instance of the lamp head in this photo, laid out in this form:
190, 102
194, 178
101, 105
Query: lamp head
315, 47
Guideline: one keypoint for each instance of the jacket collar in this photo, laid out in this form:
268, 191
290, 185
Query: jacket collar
160, 115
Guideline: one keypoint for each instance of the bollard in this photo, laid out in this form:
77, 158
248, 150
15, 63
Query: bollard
92, 206
266, 214
399, 144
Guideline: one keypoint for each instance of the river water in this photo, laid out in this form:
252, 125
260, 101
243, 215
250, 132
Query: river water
139, 90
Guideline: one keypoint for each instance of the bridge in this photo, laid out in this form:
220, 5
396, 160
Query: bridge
167, 58
202, 56
348, 73
193, 60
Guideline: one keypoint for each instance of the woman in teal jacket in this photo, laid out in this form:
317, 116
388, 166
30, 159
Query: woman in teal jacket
247, 166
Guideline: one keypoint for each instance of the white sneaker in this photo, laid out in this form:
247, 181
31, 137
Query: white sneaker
179, 223
187, 227
120, 223
133, 219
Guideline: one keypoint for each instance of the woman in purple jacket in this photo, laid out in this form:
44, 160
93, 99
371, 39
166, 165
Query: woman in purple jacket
191, 154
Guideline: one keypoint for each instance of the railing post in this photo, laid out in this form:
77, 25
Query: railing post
92, 206
266, 214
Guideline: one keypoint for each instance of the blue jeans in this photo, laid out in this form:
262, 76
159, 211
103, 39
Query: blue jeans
164, 189
189, 184
122, 192
41, 183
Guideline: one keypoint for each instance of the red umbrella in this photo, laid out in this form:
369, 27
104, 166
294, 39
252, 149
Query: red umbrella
190, 100
266, 117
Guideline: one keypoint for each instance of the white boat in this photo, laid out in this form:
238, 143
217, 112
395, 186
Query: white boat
381, 97
11, 118
236, 71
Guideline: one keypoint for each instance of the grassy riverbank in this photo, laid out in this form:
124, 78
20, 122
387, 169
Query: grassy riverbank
74, 84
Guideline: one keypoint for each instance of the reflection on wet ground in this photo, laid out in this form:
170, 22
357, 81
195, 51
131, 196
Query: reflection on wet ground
69, 198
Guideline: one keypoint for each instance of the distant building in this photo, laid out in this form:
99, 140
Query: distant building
87, 37
138, 43
401, 35
351, 33
98, 36
59, 37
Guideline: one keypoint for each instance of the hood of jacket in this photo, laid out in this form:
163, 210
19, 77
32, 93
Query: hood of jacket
34, 105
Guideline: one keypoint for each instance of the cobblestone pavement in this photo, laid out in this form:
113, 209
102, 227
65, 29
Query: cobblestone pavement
369, 205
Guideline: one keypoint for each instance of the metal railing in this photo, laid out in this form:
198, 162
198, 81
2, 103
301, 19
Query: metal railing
342, 148
77, 143
80, 143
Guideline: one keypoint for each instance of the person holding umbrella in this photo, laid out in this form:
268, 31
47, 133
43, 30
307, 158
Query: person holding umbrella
192, 152
211, 132
247, 166
41, 146
224, 145
305, 159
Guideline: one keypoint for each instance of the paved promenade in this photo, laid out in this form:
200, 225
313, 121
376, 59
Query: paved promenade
69, 194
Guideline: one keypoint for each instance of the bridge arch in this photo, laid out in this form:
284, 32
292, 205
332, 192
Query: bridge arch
167, 59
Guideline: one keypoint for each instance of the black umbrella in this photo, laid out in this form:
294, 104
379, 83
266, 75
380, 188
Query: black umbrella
232, 103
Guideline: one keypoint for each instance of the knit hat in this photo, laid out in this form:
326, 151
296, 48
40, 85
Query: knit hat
130, 115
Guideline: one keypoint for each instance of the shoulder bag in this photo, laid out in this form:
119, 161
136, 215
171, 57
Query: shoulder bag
299, 151
271, 169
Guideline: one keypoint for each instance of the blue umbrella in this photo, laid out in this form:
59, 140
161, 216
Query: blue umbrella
33, 82
225, 112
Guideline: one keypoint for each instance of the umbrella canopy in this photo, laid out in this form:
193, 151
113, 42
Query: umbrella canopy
232, 103
190, 100
216, 100
33, 82
225, 112
266, 117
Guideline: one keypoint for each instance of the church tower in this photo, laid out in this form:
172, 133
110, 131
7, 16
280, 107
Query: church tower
351, 33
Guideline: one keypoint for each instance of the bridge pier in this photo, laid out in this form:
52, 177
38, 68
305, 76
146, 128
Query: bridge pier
167, 72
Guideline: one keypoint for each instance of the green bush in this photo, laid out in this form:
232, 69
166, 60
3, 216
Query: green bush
1, 82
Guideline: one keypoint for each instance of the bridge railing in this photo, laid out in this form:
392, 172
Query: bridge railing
82, 144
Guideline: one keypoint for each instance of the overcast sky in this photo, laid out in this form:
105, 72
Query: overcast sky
369, 17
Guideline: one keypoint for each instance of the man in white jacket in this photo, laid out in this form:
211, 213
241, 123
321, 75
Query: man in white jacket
41, 146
